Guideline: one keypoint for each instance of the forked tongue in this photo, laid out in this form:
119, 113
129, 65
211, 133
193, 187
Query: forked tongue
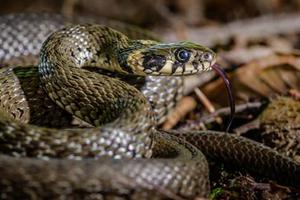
230, 94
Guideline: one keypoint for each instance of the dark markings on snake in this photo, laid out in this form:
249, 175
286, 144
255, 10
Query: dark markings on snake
195, 64
124, 65
107, 59
154, 62
72, 54
202, 66
175, 66
98, 52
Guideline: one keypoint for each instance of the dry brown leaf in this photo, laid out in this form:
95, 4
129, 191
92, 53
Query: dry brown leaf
264, 77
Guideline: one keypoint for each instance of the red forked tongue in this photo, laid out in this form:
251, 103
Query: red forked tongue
230, 94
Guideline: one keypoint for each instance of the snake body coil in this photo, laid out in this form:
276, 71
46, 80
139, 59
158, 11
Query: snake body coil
77, 162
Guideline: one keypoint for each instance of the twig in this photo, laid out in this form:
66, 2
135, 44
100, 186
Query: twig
246, 127
246, 29
206, 102
184, 106
221, 112
191, 82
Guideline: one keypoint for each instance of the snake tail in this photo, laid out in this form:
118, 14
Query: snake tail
246, 155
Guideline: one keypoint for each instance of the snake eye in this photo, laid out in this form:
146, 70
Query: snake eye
207, 56
182, 55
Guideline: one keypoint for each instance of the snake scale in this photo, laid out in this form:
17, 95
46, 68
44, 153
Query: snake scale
45, 156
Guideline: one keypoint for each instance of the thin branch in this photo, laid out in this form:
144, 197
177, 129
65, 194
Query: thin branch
221, 112
260, 27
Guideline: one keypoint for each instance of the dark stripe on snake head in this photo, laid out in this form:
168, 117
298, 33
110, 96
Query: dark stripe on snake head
126, 67
195, 64
203, 67
153, 62
124, 64
176, 65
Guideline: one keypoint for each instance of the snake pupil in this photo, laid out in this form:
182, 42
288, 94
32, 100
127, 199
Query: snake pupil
182, 55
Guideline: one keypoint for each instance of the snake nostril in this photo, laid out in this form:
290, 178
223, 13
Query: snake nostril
207, 56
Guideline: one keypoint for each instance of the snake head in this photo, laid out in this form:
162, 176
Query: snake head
182, 58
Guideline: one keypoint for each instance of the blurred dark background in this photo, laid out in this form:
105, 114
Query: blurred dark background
154, 12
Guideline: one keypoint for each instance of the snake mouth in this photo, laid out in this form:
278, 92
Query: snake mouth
229, 89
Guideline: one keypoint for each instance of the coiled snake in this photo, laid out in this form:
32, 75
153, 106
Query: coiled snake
39, 162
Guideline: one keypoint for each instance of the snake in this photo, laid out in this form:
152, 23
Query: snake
79, 108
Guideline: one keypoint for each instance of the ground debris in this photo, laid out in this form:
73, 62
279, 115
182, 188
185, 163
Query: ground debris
280, 123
